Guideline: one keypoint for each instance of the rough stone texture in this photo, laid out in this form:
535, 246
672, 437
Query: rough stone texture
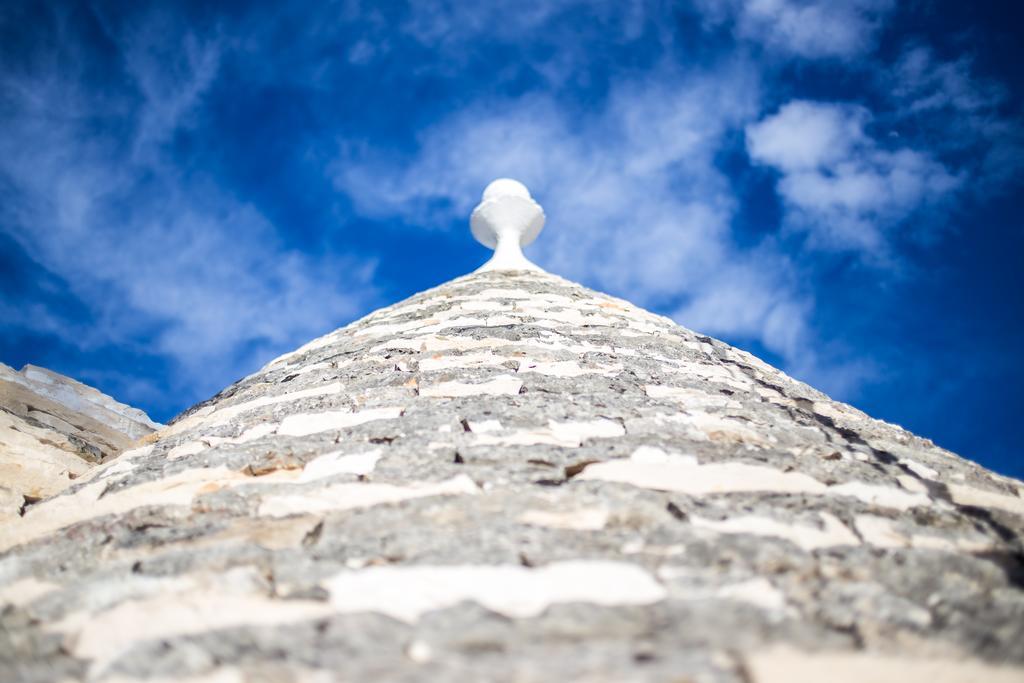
513, 478
53, 429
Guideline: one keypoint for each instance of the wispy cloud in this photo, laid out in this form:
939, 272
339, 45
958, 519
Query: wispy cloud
171, 76
811, 29
956, 112
159, 252
840, 186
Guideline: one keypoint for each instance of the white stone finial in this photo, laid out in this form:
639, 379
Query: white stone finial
506, 219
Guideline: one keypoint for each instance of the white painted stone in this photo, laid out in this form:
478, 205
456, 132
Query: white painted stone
566, 317
723, 428
205, 442
406, 593
969, 495
179, 614
639, 546
223, 415
653, 455
419, 652
882, 532
338, 463
525, 437
257, 432
912, 484
318, 343
644, 329
484, 426
502, 293
431, 342
178, 489
122, 464
483, 305
966, 545
920, 470
186, 449
884, 496
401, 309
468, 360
494, 387
312, 423
183, 425
489, 321
224, 674
349, 496
567, 434
713, 373
392, 329
691, 397
436, 342
683, 477
757, 591
786, 665
313, 367
589, 429
833, 532
566, 368
701, 347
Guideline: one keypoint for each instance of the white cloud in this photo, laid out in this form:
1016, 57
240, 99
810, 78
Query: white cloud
563, 42
444, 24
925, 83
171, 76
441, 23
807, 135
156, 251
809, 29
742, 299
958, 112
839, 186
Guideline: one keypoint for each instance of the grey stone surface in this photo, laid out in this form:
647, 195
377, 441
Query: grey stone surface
510, 477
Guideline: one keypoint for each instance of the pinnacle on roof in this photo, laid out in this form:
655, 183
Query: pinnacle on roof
507, 219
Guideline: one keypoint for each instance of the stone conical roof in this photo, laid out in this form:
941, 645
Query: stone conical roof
512, 477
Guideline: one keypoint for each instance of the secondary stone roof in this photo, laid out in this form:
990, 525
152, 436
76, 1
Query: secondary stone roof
511, 477
52, 429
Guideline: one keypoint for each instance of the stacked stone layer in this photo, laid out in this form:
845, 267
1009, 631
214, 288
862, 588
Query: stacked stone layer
53, 429
511, 477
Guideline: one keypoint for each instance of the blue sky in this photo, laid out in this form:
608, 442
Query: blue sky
188, 189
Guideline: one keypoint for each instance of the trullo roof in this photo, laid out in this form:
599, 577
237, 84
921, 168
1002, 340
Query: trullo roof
511, 477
